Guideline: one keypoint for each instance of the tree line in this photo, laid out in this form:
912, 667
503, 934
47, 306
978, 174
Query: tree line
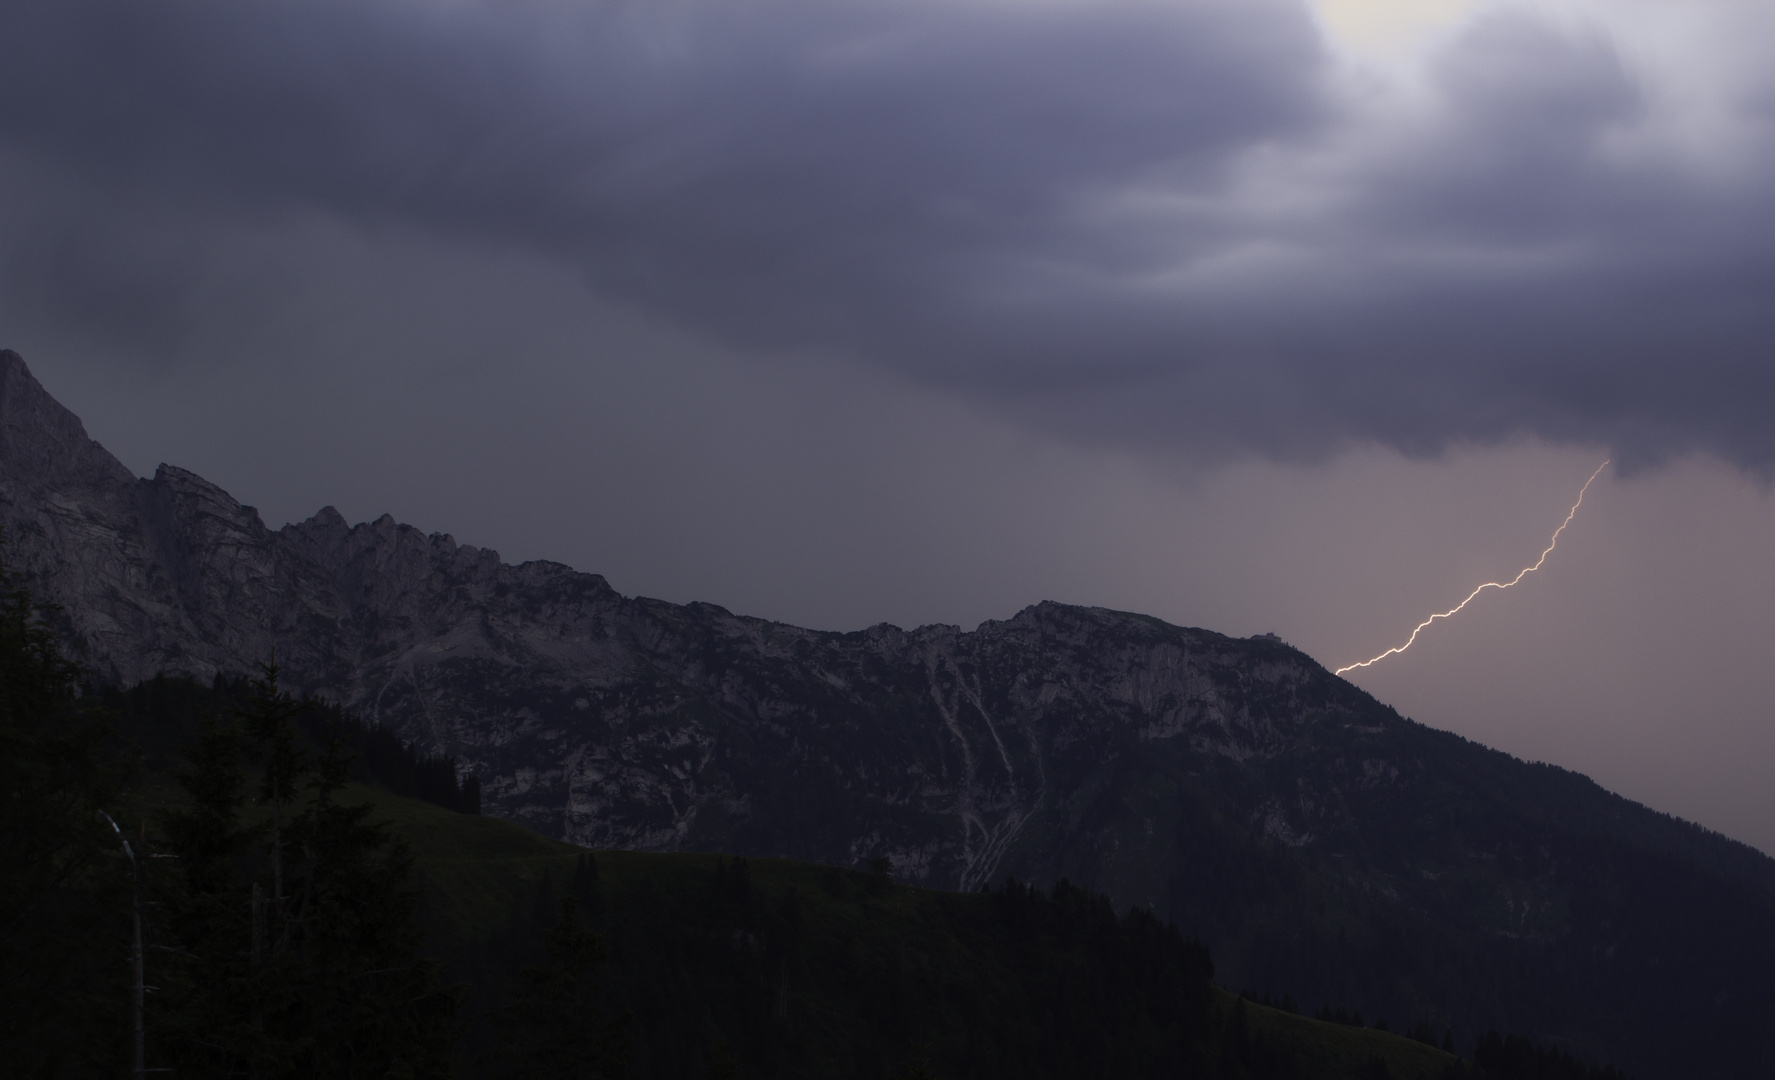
377, 755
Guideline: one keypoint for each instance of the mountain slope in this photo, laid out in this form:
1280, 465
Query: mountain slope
1317, 841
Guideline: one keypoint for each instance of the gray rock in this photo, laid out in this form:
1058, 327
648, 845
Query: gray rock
622, 722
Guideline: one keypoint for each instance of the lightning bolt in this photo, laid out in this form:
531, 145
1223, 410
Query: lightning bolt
1525, 572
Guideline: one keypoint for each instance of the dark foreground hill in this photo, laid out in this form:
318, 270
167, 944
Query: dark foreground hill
769, 967
790, 969
1314, 839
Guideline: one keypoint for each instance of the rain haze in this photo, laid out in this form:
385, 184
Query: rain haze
1255, 315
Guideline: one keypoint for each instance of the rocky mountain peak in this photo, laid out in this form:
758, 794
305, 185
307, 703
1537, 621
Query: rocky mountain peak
41, 442
200, 504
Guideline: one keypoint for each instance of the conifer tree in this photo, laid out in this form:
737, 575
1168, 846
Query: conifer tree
212, 934
297, 947
370, 1005
64, 884
553, 1028
585, 888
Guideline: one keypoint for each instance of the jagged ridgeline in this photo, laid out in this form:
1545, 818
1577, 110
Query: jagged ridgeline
1315, 840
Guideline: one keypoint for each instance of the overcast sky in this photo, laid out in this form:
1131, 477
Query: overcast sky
1250, 314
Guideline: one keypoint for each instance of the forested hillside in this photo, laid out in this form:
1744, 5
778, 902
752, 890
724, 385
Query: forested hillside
288, 914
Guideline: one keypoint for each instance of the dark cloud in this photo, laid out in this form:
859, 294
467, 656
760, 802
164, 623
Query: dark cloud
1130, 223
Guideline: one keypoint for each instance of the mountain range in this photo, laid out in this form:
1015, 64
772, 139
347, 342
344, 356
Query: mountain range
1319, 843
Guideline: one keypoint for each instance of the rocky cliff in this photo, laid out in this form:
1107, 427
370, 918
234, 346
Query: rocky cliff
622, 722
1318, 841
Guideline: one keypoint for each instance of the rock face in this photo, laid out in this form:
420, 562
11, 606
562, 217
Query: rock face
620, 722
1320, 843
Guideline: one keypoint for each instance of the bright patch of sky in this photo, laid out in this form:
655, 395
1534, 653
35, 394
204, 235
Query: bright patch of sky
1390, 33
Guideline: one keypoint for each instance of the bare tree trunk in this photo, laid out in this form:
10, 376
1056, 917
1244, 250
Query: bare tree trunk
309, 861
277, 869
277, 845
139, 1042
258, 958
140, 1056
258, 925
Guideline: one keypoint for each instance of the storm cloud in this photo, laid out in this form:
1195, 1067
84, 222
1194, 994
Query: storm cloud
1191, 225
